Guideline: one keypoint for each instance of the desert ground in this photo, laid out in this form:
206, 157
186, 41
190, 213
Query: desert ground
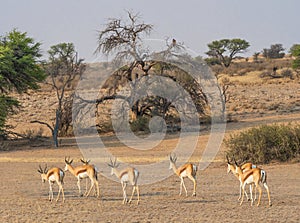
24, 198
253, 101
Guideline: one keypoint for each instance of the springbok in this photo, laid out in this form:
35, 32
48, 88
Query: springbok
127, 175
251, 176
247, 166
87, 162
81, 172
187, 170
53, 175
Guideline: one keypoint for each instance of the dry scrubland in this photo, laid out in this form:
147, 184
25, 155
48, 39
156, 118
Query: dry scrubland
23, 198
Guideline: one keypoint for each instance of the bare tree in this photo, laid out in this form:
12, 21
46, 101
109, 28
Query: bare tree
124, 40
224, 86
63, 68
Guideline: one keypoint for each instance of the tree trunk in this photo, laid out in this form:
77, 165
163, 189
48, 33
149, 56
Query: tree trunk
56, 128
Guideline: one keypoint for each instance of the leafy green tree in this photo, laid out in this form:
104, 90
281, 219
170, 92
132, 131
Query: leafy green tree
225, 50
20, 70
295, 51
63, 69
274, 52
7, 106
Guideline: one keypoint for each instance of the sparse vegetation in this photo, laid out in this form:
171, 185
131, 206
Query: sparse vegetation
140, 124
266, 143
287, 73
242, 68
274, 52
295, 52
4, 146
225, 50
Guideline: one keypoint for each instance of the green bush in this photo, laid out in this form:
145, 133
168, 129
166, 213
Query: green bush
266, 143
140, 124
212, 61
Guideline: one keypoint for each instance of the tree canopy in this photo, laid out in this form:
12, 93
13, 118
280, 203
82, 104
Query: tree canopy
20, 62
63, 68
225, 50
20, 69
124, 40
274, 52
295, 51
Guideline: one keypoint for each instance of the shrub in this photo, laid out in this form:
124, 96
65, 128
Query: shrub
274, 52
266, 143
33, 134
212, 61
140, 124
4, 146
288, 73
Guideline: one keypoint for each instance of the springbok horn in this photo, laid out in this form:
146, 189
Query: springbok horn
235, 161
45, 170
227, 159
40, 170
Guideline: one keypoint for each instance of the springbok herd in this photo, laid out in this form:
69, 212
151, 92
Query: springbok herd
247, 173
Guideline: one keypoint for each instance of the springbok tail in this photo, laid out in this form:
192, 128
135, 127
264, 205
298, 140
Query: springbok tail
195, 169
263, 178
95, 172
